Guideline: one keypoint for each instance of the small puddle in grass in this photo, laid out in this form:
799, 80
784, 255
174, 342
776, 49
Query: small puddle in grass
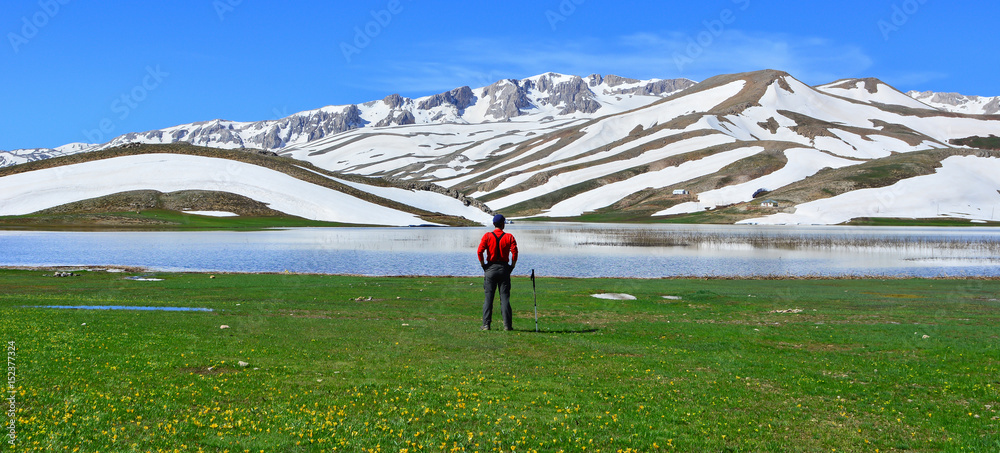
119, 307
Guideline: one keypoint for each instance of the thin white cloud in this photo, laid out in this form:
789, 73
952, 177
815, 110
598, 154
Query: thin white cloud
814, 60
477, 62
914, 80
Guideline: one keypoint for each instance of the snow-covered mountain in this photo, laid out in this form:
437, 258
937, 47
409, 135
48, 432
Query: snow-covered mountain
876, 91
871, 91
545, 95
608, 148
721, 141
20, 156
549, 94
958, 103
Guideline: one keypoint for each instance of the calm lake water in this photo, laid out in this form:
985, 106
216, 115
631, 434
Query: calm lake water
566, 250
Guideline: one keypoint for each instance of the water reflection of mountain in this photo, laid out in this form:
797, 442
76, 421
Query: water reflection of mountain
565, 250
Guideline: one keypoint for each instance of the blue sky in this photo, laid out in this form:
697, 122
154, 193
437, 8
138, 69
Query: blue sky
77, 71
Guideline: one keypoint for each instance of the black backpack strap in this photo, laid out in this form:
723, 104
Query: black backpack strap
498, 255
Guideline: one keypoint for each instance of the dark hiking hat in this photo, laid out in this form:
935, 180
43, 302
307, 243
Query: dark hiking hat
499, 220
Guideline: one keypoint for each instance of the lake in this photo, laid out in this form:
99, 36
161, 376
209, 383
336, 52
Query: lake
564, 250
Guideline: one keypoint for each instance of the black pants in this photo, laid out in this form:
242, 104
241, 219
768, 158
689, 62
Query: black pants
497, 275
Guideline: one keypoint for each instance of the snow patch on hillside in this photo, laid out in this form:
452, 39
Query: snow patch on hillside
213, 213
802, 163
964, 187
810, 102
616, 127
612, 129
25, 193
445, 149
522, 176
564, 180
611, 193
883, 94
420, 199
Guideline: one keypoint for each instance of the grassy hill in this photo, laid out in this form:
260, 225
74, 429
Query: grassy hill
148, 209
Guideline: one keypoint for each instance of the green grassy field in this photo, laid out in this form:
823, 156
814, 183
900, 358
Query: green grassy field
337, 363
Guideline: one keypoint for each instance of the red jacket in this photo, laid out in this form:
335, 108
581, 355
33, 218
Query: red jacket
494, 254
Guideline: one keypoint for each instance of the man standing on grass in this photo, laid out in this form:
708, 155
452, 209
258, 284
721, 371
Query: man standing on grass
499, 247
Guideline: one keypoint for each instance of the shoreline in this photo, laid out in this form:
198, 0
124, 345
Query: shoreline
146, 270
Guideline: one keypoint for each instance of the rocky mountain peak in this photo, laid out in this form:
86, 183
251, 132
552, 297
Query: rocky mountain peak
573, 94
506, 99
501, 101
401, 118
958, 103
651, 88
992, 107
612, 80
954, 99
461, 98
871, 84
394, 101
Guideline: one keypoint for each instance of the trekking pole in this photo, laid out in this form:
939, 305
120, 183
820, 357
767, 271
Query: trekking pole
535, 295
